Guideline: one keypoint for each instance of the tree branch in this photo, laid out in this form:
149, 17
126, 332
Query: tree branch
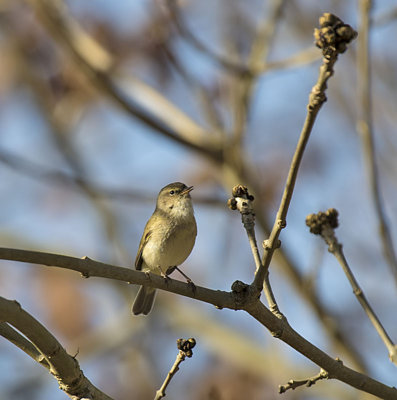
238, 299
62, 366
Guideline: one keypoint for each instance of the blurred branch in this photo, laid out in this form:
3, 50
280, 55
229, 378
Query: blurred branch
293, 384
185, 350
233, 66
365, 130
142, 102
244, 84
324, 224
385, 18
62, 366
302, 57
205, 99
59, 128
53, 177
236, 67
238, 299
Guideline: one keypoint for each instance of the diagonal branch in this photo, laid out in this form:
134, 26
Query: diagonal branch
332, 46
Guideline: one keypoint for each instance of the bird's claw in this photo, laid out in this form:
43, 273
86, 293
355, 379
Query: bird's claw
166, 278
192, 286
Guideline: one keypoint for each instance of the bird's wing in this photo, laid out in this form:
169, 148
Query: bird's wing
142, 244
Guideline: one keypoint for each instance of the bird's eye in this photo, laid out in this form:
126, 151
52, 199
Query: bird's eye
172, 192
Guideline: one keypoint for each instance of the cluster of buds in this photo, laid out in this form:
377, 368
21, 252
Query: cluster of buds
240, 192
333, 34
317, 222
186, 346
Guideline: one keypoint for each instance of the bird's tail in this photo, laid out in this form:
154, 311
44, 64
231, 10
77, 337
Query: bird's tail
144, 300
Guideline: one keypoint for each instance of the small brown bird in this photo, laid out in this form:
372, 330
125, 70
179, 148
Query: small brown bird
167, 240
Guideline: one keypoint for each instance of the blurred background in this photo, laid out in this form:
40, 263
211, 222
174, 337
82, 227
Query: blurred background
103, 103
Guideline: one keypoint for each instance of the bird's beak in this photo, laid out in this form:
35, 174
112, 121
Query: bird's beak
187, 190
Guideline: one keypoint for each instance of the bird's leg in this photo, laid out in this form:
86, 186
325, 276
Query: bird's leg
188, 280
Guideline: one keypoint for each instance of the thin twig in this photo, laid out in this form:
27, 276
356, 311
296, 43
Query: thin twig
242, 201
331, 47
293, 384
185, 350
365, 130
324, 224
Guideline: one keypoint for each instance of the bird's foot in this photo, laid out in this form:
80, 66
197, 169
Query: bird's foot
165, 277
188, 280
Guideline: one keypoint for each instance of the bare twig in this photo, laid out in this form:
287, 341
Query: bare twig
365, 130
237, 299
242, 201
332, 38
62, 366
185, 350
293, 384
324, 224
